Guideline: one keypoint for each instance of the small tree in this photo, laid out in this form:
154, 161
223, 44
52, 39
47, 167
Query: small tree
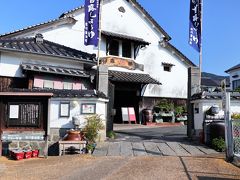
93, 126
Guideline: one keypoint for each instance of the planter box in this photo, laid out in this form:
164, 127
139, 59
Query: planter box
27, 154
17, 155
35, 153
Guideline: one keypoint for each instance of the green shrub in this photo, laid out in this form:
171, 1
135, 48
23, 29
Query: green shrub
235, 116
218, 144
179, 110
94, 125
165, 105
111, 134
90, 147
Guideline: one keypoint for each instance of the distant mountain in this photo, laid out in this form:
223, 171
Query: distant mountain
210, 75
209, 79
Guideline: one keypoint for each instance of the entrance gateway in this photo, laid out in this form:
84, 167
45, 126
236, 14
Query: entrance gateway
125, 90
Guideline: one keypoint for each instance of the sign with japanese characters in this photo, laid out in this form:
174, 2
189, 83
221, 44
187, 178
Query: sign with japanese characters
88, 108
195, 24
91, 31
22, 136
13, 111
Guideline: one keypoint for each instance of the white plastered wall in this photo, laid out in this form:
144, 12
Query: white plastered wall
135, 24
10, 63
75, 110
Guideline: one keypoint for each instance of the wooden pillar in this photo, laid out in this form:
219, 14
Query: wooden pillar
1, 120
30, 83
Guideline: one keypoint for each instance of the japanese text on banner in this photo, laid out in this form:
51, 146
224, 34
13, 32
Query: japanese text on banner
91, 31
195, 24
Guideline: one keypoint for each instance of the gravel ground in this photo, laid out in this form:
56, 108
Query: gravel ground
89, 167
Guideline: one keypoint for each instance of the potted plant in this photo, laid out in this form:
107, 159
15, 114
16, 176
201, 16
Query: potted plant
90, 147
165, 105
93, 126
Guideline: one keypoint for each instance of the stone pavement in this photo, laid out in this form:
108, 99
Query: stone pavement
137, 140
151, 149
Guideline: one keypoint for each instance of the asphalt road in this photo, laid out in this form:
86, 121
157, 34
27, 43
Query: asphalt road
135, 133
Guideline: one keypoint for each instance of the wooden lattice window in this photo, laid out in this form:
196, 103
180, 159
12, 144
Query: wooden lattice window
23, 114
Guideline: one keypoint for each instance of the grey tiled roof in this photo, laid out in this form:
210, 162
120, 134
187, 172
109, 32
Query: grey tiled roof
214, 95
233, 68
54, 70
29, 45
132, 77
78, 93
125, 37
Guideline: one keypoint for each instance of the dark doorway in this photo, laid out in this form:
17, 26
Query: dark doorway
125, 98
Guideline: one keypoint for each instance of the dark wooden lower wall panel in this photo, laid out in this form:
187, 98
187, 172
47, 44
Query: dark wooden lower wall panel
10, 82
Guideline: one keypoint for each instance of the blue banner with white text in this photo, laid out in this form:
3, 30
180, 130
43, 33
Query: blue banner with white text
91, 31
195, 24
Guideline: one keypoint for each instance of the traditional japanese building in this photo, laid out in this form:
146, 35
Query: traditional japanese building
234, 73
43, 85
143, 66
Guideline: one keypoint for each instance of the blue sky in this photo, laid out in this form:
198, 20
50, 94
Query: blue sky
221, 27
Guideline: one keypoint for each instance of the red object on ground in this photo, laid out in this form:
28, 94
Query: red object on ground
27, 154
35, 153
18, 155
131, 114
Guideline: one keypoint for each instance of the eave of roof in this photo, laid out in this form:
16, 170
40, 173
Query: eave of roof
120, 76
125, 37
30, 28
54, 70
48, 94
46, 48
233, 68
186, 60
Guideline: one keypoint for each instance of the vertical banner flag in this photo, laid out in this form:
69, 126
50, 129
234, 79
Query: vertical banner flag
195, 24
91, 31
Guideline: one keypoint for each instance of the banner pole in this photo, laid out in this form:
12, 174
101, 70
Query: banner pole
99, 31
200, 53
99, 42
